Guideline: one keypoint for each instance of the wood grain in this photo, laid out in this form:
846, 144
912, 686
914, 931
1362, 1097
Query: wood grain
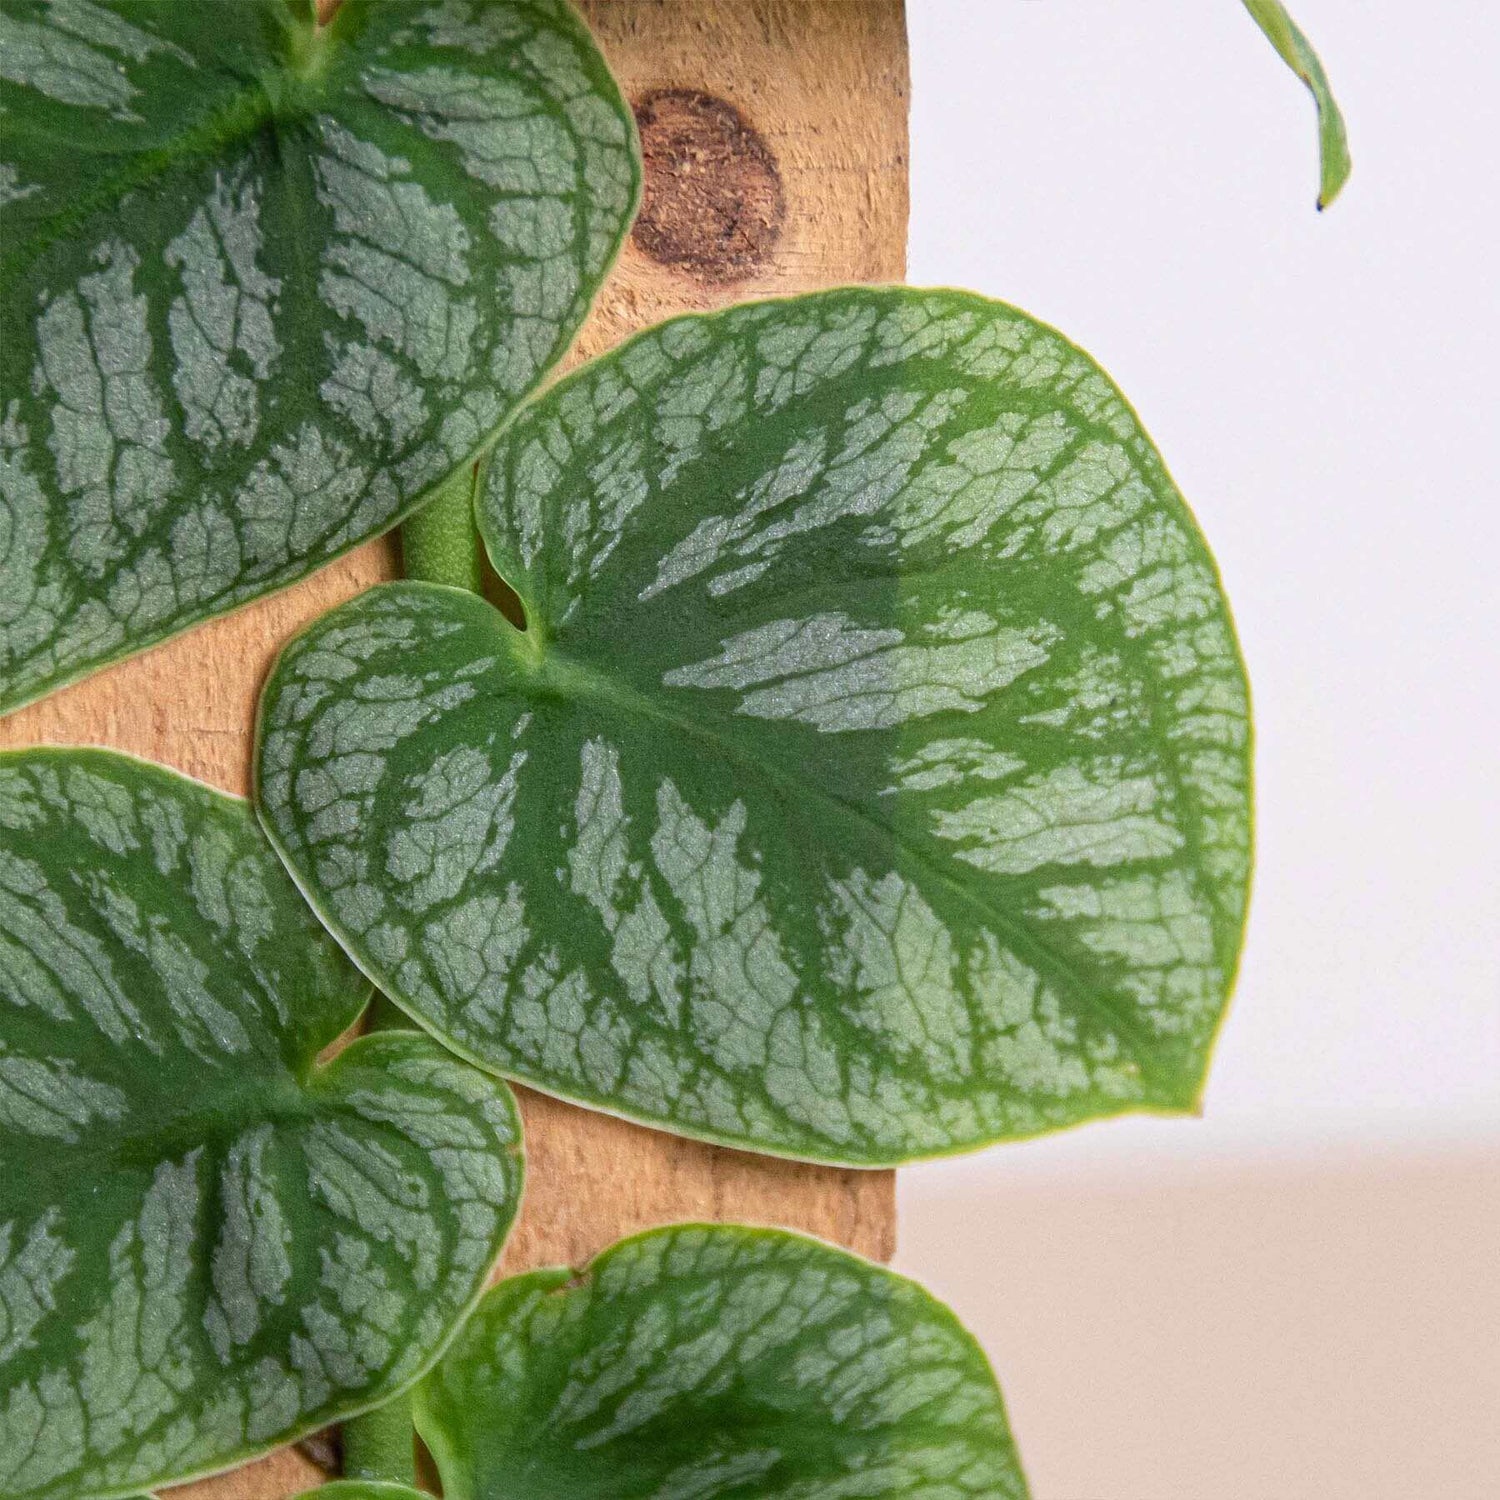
777, 162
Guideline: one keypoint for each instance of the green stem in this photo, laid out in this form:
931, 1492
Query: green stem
381, 1444
439, 543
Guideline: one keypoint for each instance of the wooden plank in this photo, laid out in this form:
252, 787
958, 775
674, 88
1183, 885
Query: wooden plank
775, 138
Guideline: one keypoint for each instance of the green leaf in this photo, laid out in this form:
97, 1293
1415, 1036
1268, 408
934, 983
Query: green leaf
872, 781
209, 1242
1297, 52
267, 284
716, 1363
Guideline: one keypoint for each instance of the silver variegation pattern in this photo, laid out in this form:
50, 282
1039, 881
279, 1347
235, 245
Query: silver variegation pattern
872, 778
210, 1243
714, 1362
267, 284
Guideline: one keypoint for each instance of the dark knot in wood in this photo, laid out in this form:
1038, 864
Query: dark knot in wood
713, 204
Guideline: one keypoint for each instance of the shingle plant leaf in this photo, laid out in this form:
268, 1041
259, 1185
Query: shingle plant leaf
713, 1363
210, 1242
1297, 53
871, 778
267, 284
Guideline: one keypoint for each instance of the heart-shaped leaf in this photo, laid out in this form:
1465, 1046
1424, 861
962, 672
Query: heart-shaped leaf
266, 284
716, 1363
871, 781
209, 1243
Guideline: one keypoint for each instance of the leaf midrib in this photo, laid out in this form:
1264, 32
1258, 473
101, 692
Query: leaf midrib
232, 122
279, 1100
575, 678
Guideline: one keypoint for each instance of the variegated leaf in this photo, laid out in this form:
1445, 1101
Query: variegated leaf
266, 284
209, 1243
716, 1363
871, 781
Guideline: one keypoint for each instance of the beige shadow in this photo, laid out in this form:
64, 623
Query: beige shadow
1322, 1330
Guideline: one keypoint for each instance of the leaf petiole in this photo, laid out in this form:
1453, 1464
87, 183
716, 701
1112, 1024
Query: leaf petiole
381, 1444
440, 542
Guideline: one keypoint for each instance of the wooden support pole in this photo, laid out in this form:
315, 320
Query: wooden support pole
776, 161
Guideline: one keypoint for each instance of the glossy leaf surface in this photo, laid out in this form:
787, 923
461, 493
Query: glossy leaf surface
871, 781
716, 1363
1297, 53
209, 1242
266, 284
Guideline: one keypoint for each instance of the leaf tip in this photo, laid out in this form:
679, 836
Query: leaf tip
1334, 180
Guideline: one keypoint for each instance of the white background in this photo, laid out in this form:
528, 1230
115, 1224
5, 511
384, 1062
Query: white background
1295, 1296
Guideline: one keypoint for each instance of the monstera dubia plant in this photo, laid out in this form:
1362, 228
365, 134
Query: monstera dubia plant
858, 771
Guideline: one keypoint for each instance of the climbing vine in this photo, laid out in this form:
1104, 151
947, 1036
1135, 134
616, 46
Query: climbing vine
858, 772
